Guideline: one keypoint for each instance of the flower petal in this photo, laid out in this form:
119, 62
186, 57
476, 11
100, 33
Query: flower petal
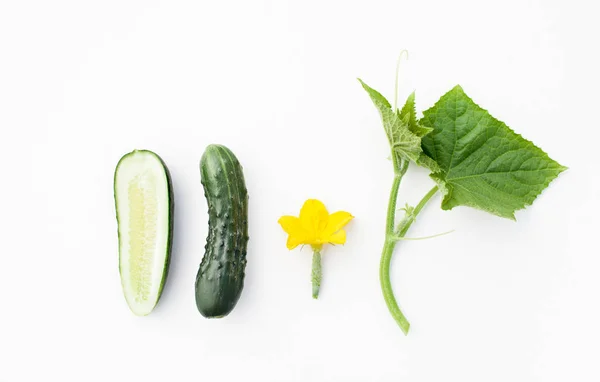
294, 241
290, 224
314, 218
337, 221
296, 233
338, 238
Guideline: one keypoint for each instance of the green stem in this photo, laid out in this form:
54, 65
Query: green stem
390, 243
404, 227
316, 273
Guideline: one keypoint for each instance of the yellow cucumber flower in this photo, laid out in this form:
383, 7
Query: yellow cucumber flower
315, 227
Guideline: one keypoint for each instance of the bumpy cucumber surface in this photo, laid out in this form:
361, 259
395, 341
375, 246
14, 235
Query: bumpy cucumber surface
144, 206
220, 279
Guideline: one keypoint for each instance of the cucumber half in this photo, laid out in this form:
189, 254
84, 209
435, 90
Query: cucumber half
144, 206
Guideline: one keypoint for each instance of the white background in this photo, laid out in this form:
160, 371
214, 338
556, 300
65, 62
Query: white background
83, 82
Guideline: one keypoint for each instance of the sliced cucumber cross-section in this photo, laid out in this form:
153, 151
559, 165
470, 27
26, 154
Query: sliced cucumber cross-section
144, 206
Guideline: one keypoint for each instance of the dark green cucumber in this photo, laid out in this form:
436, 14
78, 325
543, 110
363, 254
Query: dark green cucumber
220, 279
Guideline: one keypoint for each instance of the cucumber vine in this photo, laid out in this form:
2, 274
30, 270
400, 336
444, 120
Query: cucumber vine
475, 160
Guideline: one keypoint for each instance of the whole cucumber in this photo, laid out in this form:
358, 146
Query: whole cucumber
220, 279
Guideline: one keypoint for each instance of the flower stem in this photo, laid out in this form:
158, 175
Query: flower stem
390, 243
316, 273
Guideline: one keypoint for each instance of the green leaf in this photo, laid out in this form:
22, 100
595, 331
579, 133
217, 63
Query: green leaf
482, 162
425, 161
409, 116
405, 143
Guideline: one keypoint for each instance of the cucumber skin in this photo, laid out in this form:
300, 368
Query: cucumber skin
220, 278
171, 216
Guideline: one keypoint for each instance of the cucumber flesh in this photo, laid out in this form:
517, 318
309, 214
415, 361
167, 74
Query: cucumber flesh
144, 206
